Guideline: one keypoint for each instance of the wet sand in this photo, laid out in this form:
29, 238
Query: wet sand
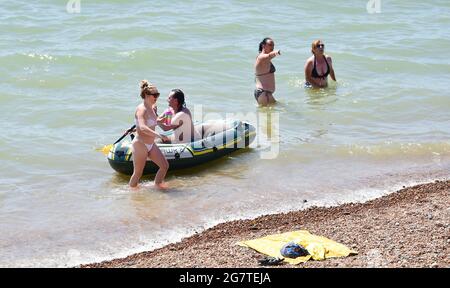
408, 228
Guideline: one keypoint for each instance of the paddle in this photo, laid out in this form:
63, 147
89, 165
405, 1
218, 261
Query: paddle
106, 148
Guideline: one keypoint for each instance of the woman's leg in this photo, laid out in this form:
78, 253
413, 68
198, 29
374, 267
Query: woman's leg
158, 158
139, 160
270, 98
263, 99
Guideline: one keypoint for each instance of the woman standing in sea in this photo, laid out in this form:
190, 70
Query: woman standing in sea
265, 72
143, 144
318, 67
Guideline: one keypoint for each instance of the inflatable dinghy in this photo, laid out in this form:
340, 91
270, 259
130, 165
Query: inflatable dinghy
218, 138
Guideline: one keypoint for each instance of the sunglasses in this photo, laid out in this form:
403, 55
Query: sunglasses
270, 44
320, 46
156, 95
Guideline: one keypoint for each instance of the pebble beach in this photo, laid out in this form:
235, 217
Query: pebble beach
408, 228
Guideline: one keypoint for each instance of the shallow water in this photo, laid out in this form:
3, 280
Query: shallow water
70, 85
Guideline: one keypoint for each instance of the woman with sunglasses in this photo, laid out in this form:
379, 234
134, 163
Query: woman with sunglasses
264, 72
143, 145
318, 67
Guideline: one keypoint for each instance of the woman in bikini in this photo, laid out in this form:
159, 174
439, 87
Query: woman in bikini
264, 72
318, 67
143, 145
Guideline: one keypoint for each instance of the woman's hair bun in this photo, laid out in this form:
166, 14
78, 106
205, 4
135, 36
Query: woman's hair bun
147, 88
144, 84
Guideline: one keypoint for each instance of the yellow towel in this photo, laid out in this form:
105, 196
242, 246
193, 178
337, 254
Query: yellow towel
319, 247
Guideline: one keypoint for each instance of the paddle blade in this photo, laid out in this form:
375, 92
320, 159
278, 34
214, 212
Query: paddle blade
105, 149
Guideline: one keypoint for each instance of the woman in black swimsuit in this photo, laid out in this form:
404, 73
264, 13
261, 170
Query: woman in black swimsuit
265, 72
318, 67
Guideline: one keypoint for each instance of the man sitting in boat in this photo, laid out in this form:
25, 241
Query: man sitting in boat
177, 117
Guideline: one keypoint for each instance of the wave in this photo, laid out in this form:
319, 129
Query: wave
390, 149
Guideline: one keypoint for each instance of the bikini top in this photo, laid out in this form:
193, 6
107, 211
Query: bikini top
314, 73
272, 70
150, 122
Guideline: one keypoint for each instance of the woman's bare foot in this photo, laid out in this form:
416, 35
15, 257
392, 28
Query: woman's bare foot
135, 188
162, 186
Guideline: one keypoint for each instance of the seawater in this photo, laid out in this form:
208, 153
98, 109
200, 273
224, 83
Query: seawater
69, 84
